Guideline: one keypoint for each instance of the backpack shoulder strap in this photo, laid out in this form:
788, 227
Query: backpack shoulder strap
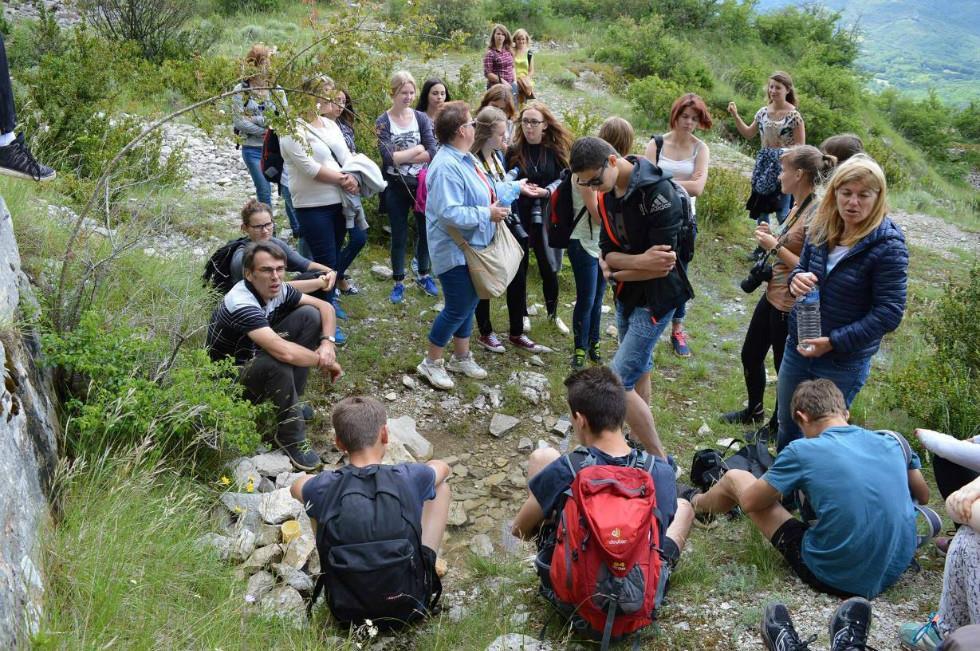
577, 459
932, 518
906, 448
658, 139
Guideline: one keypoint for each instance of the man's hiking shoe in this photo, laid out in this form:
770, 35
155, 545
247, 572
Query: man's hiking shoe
678, 340
300, 453
920, 637
17, 161
745, 416
397, 293
340, 339
778, 633
850, 625
578, 359
595, 354
688, 493
435, 374
467, 366
427, 285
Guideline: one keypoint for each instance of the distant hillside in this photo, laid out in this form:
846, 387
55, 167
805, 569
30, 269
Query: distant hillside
914, 45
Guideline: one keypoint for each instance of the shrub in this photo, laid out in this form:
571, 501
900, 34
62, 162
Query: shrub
124, 390
927, 122
455, 18
529, 14
895, 167
582, 122
230, 7
652, 98
942, 391
156, 25
723, 199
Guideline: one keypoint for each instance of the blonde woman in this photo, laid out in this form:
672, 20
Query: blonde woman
856, 257
406, 144
523, 66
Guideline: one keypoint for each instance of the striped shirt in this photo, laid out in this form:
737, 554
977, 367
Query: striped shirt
240, 312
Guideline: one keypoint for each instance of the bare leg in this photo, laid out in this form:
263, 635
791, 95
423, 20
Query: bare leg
539, 460
435, 352
642, 388
435, 514
461, 347
726, 495
641, 423
681, 526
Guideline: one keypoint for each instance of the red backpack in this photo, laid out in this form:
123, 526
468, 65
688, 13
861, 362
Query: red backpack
606, 567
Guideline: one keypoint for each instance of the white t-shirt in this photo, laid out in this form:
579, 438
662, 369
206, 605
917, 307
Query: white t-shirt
403, 138
835, 256
682, 170
589, 239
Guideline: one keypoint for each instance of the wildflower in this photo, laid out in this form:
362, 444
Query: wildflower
250, 486
224, 481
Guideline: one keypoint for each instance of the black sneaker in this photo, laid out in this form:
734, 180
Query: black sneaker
778, 632
300, 453
745, 416
595, 355
686, 492
17, 161
850, 625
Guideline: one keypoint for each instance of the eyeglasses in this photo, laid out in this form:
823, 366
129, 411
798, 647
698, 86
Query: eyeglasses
269, 271
596, 180
471, 123
262, 227
531, 123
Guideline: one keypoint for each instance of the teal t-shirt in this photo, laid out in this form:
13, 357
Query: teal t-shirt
856, 481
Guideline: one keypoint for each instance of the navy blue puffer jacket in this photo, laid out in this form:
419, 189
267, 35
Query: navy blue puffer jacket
863, 297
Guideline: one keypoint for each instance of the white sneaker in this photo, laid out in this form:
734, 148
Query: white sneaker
435, 373
562, 328
467, 366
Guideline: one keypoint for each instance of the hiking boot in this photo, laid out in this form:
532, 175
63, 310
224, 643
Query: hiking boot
525, 343
678, 340
850, 625
300, 453
340, 339
924, 637
578, 359
747, 416
491, 342
427, 285
467, 366
17, 161
560, 325
778, 632
397, 293
595, 354
435, 374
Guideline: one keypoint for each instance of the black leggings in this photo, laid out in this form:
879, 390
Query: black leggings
950, 477
767, 329
8, 117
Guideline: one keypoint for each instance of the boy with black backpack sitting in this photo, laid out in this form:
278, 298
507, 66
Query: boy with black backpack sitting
858, 486
378, 527
622, 500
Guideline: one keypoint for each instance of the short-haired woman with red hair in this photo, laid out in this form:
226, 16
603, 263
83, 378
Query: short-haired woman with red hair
686, 157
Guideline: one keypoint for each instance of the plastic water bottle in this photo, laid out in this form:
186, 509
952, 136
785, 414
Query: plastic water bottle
808, 318
512, 175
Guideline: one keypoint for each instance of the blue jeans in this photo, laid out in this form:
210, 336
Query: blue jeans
290, 211
638, 334
848, 374
400, 203
323, 231
590, 286
456, 318
356, 239
253, 161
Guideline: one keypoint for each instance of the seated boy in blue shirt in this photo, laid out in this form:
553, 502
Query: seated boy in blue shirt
597, 401
858, 485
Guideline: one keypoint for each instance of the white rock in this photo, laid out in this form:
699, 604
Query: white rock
605, 309
297, 579
279, 506
535, 360
525, 444
704, 430
403, 430
381, 272
223, 544
259, 585
244, 545
285, 602
391, 396
298, 551
287, 479
457, 613
481, 545
561, 426
271, 464
612, 331
396, 452
500, 424
408, 381
267, 534
261, 558
518, 642
457, 514
534, 386
534, 309
519, 619
241, 504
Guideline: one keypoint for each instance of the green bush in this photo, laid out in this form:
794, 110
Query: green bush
927, 122
156, 26
455, 18
529, 14
125, 390
723, 199
651, 98
230, 7
895, 167
942, 391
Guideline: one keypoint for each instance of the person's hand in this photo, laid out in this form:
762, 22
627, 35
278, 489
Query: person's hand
332, 372
607, 271
349, 184
815, 347
526, 187
660, 260
732, 109
328, 279
802, 283
326, 353
540, 192
960, 503
765, 239
498, 213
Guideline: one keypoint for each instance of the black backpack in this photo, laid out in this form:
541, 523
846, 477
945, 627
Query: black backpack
217, 270
272, 162
563, 219
689, 229
371, 555
709, 465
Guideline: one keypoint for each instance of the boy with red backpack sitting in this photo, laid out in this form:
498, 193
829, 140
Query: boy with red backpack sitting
606, 517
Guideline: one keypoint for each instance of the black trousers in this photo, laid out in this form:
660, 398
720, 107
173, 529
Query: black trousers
516, 307
767, 329
267, 379
8, 116
950, 477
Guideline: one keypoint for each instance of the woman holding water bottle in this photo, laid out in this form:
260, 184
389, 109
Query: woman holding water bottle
849, 285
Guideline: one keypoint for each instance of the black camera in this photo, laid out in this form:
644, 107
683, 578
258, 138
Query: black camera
760, 272
537, 212
515, 227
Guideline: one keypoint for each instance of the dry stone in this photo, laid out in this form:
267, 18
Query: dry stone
271, 464
296, 579
278, 506
259, 584
403, 430
517, 642
246, 477
481, 545
223, 544
500, 424
261, 558
285, 602
243, 545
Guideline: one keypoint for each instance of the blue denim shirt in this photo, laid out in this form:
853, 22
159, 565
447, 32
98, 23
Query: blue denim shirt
456, 196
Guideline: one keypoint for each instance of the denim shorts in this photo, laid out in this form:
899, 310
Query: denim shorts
638, 334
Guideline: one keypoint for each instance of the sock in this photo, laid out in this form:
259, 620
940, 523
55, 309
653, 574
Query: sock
7, 138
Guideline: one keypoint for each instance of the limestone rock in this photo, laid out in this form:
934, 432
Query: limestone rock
525, 444
481, 545
246, 476
457, 514
704, 430
287, 603
223, 544
561, 426
261, 558
500, 424
408, 381
287, 479
271, 464
242, 504
518, 642
403, 430
536, 360
243, 545
298, 551
267, 534
396, 452
534, 386
296, 579
279, 506
381, 272
259, 584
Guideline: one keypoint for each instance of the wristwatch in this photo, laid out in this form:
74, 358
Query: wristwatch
329, 338
776, 248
